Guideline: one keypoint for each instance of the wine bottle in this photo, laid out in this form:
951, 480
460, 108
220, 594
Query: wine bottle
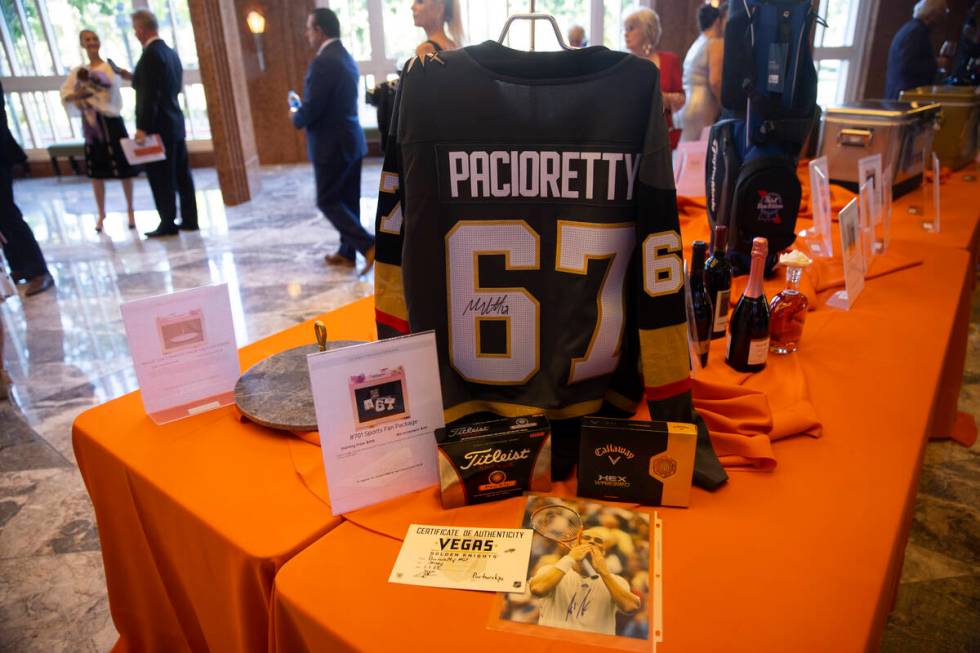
700, 302
748, 335
718, 281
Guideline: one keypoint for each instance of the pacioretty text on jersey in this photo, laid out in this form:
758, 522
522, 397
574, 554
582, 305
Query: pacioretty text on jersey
540, 174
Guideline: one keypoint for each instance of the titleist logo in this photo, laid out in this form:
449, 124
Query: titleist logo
484, 457
469, 430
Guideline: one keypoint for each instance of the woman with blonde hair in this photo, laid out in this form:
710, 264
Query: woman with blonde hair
437, 17
93, 90
642, 32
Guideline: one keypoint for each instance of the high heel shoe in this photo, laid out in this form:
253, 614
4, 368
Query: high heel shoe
98, 225
132, 221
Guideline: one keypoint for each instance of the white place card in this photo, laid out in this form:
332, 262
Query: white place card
377, 408
822, 242
690, 168
149, 151
869, 171
486, 559
184, 352
852, 255
866, 223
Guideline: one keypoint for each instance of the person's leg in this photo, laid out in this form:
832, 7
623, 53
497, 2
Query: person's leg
127, 184
160, 175
326, 200
343, 208
98, 188
185, 186
20, 247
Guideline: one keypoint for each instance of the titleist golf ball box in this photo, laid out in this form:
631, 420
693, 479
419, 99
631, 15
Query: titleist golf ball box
494, 460
643, 462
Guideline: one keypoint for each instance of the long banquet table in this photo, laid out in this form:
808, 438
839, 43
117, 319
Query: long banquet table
198, 517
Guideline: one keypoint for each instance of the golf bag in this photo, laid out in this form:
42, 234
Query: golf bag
769, 96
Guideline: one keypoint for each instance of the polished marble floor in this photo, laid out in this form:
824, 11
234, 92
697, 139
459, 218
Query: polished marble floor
67, 352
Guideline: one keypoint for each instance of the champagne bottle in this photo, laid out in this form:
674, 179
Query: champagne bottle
703, 318
718, 281
748, 336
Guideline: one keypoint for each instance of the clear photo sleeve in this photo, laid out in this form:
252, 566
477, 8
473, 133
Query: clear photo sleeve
522, 613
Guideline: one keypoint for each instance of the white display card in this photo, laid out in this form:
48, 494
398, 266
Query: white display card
184, 352
377, 408
869, 171
852, 255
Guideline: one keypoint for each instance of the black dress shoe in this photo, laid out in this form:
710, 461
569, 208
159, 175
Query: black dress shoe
39, 284
188, 227
160, 232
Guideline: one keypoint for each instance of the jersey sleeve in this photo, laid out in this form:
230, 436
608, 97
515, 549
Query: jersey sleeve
661, 315
391, 313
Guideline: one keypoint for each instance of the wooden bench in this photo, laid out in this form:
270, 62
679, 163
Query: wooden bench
74, 152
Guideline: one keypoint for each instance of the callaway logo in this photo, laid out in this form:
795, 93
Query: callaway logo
485, 457
769, 206
611, 449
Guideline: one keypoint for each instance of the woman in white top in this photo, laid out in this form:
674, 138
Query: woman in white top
702, 73
94, 91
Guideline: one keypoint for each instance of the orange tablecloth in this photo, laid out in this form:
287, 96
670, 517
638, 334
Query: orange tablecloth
195, 517
806, 557
960, 229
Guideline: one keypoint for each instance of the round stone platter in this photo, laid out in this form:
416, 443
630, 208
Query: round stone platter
276, 392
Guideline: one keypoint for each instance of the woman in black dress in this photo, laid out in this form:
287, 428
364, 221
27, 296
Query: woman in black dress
94, 90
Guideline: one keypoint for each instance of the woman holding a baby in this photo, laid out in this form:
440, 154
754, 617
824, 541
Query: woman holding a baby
93, 89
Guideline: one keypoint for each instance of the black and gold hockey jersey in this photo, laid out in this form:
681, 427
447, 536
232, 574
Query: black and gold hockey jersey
527, 215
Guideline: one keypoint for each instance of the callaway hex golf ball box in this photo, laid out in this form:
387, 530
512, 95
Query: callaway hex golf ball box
651, 463
494, 460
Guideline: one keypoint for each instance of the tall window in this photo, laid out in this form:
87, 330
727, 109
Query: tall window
837, 53
381, 34
39, 40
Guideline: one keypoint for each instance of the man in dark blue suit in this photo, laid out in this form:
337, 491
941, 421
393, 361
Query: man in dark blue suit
19, 245
157, 80
334, 138
911, 58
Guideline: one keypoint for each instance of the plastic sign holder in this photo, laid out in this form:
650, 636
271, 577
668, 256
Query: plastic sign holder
866, 223
934, 225
883, 236
852, 253
820, 237
691, 158
377, 408
184, 351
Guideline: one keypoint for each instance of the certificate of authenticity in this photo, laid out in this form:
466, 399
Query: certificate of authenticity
469, 558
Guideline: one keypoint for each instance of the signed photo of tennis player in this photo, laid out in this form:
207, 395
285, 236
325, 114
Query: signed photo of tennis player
589, 569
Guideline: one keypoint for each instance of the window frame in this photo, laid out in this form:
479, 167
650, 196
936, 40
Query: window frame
17, 82
855, 54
